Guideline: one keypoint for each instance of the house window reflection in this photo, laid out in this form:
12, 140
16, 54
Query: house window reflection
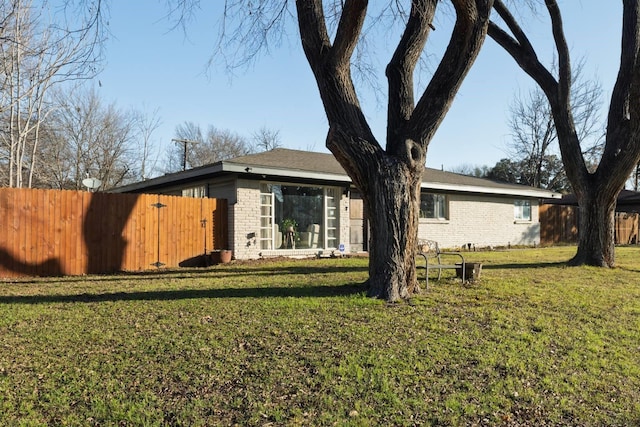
298, 216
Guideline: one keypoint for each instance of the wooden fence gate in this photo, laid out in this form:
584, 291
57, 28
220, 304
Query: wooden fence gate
54, 232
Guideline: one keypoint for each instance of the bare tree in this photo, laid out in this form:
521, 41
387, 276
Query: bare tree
388, 177
91, 139
220, 144
596, 190
146, 124
266, 139
41, 45
193, 148
534, 139
471, 170
55, 166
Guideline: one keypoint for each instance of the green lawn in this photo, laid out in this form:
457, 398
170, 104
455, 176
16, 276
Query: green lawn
299, 343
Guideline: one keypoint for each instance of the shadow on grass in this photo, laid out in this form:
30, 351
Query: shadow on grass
266, 292
489, 266
190, 273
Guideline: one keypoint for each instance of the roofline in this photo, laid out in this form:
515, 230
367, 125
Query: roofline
243, 168
525, 192
189, 174
247, 168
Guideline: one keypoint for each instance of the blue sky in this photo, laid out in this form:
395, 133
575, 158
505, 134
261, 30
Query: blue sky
150, 66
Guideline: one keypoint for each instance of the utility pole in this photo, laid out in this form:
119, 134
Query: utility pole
184, 157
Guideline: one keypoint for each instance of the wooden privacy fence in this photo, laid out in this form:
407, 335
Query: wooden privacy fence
559, 224
54, 232
626, 228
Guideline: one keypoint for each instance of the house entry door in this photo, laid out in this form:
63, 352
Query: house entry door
358, 224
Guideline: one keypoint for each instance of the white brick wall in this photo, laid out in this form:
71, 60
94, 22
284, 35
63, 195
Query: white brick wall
345, 233
482, 221
246, 224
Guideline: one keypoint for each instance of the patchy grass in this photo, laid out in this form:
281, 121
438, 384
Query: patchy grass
299, 343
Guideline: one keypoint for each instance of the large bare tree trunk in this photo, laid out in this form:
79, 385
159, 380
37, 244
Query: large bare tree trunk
597, 191
392, 268
390, 188
389, 179
596, 231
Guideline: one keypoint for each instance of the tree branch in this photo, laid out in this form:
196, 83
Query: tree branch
402, 65
564, 62
331, 64
558, 93
619, 108
520, 48
349, 29
623, 124
472, 18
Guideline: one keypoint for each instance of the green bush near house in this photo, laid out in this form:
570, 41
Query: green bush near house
298, 343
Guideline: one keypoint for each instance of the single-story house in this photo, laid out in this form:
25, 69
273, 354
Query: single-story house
269, 192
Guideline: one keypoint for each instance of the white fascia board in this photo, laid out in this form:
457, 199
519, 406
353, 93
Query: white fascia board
524, 192
293, 173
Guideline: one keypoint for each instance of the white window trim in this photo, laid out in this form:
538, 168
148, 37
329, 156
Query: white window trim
325, 245
522, 220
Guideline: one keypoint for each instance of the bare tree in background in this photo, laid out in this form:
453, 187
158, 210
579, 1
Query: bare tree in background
193, 148
470, 170
220, 144
388, 177
42, 44
148, 153
266, 139
91, 139
533, 131
596, 190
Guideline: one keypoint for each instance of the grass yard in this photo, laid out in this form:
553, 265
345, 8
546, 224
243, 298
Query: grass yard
298, 343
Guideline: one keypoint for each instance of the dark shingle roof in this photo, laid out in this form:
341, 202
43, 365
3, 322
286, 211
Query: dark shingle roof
283, 162
326, 163
284, 158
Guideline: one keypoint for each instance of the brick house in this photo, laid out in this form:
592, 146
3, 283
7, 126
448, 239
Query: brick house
268, 192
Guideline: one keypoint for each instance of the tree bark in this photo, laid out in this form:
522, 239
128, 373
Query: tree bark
596, 236
389, 179
392, 267
597, 191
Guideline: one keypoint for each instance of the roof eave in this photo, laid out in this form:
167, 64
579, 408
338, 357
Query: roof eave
525, 192
241, 168
188, 175
270, 171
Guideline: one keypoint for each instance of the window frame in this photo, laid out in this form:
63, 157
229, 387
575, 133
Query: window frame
520, 206
441, 205
330, 221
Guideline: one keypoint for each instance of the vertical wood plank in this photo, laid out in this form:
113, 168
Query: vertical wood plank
45, 232
4, 232
79, 251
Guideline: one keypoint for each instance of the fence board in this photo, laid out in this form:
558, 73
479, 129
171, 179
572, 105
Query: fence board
52, 232
218, 216
626, 228
559, 224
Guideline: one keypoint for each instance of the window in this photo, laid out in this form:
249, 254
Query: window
313, 211
522, 210
433, 206
199, 191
